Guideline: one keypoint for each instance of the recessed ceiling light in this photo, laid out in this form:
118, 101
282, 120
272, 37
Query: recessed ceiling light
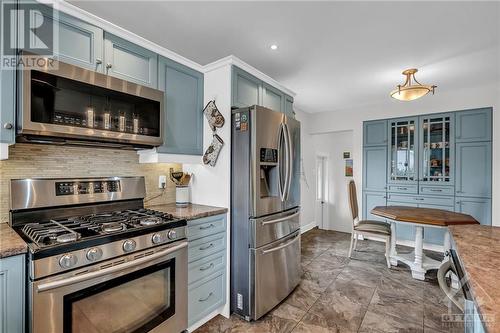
274, 47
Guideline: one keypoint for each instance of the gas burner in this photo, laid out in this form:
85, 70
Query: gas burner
110, 227
150, 221
66, 238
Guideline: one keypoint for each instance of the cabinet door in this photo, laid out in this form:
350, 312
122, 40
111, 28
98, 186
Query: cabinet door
403, 151
7, 106
371, 200
289, 106
375, 133
183, 126
246, 90
273, 98
473, 169
80, 43
375, 168
436, 149
473, 125
12, 288
130, 62
478, 208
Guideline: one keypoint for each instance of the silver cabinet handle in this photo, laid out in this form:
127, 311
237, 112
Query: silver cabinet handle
206, 298
420, 199
108, 66
211, 225
98, 61
207, 267
281, 219
206, 247
435, 190
7, 126
402, 188
106, 271
277, 248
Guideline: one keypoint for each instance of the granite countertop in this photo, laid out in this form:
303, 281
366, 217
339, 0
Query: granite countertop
479, 250
190, 212
11, 243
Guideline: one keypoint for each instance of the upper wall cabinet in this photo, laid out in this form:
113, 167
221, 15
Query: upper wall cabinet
130, 62
7, 106
273, 98
246, 90
473, 169
403, 151
289, 105
375, 133
183, 124
473, 125
80, 43
375, 168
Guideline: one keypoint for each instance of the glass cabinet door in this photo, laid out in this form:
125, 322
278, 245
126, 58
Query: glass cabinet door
436, 153
402, 167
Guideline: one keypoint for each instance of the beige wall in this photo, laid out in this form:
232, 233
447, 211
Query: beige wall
37, 160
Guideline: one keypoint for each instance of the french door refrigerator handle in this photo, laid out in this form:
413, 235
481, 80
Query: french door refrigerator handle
281, 186
288, 144
277, 248
281, 219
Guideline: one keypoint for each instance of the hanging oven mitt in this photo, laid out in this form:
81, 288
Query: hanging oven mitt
213, 115
212, 152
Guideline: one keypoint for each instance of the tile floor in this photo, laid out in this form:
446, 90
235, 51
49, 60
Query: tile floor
338, 294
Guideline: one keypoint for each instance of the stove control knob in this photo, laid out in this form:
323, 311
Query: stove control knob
68, 260
157, 238
129, 245
94, 254
172, 234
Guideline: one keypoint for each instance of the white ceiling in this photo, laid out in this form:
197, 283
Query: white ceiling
334, 55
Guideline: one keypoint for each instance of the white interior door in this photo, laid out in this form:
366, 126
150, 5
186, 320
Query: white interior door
321, 213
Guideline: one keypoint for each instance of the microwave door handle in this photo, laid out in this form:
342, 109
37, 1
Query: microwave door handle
280, 163
84, 277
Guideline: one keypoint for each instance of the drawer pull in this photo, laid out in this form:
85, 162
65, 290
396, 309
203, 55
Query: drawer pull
435, 190
420, 199
402, 188
207, 267
206, 247
206, 298
211, 225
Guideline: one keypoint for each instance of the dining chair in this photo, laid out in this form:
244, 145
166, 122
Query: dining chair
364, 228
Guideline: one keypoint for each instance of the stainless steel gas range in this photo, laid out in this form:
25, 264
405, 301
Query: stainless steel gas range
97, 260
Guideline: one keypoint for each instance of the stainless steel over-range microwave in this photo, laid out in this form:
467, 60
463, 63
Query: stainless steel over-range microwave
69, 104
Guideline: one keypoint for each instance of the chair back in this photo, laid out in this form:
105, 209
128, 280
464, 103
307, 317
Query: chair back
353, 201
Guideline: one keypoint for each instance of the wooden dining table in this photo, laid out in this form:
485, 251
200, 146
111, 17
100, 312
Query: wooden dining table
420, 218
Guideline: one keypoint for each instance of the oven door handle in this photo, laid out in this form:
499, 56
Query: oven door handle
83, 277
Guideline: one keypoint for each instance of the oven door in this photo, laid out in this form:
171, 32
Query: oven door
142, 292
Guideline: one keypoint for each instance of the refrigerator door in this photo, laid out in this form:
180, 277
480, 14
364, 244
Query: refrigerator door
267, 170
276, 272
268, 229
292, 190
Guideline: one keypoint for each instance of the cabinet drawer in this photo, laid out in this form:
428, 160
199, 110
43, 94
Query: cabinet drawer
206, 296
394, 199
206, 227
205, 246
204, 267
436, 190
402, 188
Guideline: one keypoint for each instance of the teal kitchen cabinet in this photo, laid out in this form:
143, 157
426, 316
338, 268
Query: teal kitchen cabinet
375, 133
273, 98
7, 106
473, 168
246, 89
183, 121
473, 125
80, 43
130, 62
289, 106
12, 287
403, 154
371, 200
206, 266
478, 208
375, 169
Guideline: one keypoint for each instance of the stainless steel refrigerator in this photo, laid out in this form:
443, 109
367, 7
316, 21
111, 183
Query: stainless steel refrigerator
265, 199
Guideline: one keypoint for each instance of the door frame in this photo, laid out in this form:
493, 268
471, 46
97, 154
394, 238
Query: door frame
320, 221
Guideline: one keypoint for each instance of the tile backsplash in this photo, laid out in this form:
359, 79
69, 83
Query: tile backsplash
51, 161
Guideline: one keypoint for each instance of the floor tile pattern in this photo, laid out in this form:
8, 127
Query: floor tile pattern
338, 294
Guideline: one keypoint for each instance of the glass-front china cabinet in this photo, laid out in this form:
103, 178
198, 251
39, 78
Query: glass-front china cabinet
403, 151
435, 148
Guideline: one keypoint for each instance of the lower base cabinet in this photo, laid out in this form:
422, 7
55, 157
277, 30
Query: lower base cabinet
478, 208
12, 286
206, 266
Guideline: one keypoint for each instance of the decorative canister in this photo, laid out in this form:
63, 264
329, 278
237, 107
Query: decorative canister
182, 195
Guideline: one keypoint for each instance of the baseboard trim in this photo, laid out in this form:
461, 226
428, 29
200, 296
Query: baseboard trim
307, 227
426, 246
205, 320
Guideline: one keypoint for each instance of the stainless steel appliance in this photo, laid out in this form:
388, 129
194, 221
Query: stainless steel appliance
69, 104
265, 199
97, 260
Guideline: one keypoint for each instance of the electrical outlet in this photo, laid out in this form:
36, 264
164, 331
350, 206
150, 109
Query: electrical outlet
162, 181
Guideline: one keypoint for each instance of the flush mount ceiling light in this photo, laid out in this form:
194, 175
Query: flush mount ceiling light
274, 47
411, 89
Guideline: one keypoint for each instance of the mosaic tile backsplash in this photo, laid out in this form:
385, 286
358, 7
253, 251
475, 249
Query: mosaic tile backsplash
50, 161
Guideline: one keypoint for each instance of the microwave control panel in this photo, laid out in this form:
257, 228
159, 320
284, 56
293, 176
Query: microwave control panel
87, 187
